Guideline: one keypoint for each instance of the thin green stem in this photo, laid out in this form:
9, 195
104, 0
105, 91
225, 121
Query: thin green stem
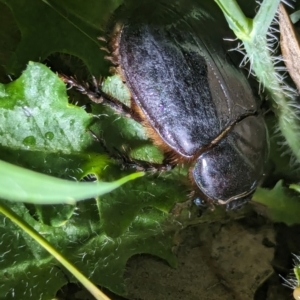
236, 19
46, 245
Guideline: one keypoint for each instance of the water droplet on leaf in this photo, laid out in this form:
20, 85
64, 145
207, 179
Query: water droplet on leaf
29, 141
49, 135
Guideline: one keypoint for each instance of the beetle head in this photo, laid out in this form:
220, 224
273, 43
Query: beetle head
223, 175
232, 169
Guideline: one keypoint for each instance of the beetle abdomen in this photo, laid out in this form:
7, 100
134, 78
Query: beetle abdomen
167, 87
178, 86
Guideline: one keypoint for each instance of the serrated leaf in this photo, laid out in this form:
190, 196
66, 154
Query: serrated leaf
41, 130
70, 34
35, 114
34, 273
133, 216
159, 193
280, 204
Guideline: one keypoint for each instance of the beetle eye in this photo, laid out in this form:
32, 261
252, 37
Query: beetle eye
230, 169
200, 203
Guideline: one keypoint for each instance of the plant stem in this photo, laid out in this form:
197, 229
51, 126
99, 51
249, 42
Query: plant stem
259, 50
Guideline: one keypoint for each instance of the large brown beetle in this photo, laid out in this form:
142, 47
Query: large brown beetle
196, 105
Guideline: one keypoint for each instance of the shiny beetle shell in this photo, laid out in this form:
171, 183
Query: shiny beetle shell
197, 106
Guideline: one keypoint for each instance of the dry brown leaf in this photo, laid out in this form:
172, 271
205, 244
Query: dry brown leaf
289, 43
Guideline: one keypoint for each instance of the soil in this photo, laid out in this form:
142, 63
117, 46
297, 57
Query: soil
238, 260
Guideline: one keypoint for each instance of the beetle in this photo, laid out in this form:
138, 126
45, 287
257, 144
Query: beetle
197, 107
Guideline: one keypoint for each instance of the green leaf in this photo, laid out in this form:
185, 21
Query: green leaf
22, 185
47, 246
35, 114
160, 193
41, 130
71, 34
280, 205
28, 270
133, 216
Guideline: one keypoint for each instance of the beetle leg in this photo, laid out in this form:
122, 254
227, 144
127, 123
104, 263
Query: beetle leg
130, 163
141, 165
96, 95
84, 89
